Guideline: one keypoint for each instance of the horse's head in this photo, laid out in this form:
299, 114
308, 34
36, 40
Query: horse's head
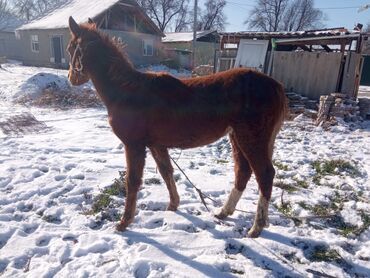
82, 37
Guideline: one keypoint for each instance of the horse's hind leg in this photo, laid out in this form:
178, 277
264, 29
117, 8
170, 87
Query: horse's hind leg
135, 159
258, 151
242, 175
162, 159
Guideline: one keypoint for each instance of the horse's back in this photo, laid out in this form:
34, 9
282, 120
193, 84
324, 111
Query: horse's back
246, 88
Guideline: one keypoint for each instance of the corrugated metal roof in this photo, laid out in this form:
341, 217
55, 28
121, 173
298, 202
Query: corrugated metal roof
296, 34
184, 36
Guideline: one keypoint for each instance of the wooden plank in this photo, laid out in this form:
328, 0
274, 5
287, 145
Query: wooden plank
352, 74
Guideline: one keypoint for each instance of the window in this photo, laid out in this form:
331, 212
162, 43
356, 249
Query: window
147, 47
230, 46
35, 46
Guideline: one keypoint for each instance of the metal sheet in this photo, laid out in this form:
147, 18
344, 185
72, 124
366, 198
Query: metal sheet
308, 74
252, 54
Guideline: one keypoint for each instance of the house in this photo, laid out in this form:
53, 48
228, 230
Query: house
311, 63
44, 41
178, 47
9, 48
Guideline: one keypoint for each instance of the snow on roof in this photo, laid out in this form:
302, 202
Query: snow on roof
184, 36
81, 10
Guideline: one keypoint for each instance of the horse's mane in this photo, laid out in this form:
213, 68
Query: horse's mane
113, 46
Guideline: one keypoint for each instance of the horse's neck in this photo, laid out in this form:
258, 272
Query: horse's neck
109, 79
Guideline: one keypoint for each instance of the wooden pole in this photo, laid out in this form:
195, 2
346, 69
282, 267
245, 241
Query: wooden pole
194, 32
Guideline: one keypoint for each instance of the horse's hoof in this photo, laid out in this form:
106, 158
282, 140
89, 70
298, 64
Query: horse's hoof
254, 232
121, 226
172, 207
221, 215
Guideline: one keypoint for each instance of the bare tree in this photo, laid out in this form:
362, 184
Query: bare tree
5, 14
301, 14
213, 17
182, 21
267, 14
30, 9
163, 12
285, 15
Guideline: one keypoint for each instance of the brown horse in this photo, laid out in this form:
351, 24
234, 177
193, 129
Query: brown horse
158, 111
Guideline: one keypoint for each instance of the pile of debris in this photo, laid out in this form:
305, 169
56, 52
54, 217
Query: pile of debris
299, 104
203, 70
364, 104
337, 105
21, 124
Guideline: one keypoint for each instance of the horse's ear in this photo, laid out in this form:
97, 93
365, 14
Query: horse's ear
74, 27
91, 22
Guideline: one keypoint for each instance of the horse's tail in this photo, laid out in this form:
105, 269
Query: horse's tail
281, 113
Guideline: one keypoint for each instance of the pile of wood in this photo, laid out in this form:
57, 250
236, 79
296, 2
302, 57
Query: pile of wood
298, 104
337, 105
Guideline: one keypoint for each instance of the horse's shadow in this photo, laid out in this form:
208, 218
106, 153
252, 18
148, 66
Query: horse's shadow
205, 269
237, 246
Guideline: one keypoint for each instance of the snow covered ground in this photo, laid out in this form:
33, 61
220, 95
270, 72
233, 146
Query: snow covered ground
51, 176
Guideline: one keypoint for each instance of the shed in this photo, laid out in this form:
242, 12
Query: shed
180, 44
365, 78
44, 41
311, 63
9, 48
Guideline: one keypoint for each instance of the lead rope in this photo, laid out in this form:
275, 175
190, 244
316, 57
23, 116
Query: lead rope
202, 195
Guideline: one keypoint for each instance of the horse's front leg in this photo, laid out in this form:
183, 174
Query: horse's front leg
135, 159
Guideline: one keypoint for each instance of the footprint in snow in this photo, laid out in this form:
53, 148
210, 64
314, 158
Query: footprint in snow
43, 168
70, 166
20, 262
70, 237
77, 176
3, 265
4, 237
43, 241
154, 223
4, 181
153, 206
142, 269
215, 172
30, 228
23, 207
36, 174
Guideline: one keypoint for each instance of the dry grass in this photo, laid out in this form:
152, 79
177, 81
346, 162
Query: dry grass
51, 98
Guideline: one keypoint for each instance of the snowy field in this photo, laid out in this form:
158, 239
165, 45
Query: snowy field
57, 214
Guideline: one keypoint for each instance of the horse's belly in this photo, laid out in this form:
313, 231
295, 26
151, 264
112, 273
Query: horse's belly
191, 135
